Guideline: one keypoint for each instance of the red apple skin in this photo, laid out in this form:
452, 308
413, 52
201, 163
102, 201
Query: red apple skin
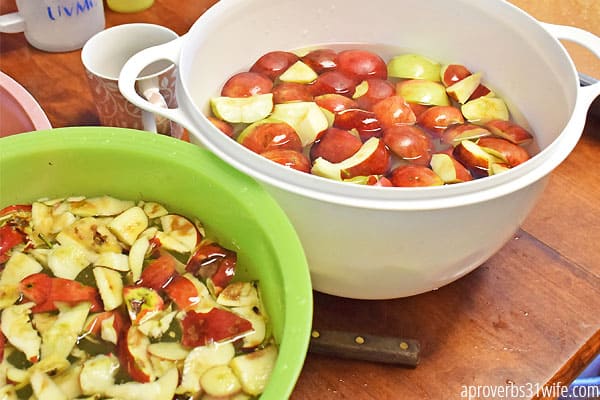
457, 132
419, 109
365, 122
361, 64
285, 92
246, 84
321, 60
271, 136
377, 163
394, 110
480, 91
289, 158
510, 131
437, 118
453, 73
479, 167
411, 175
378, 180
221, 125
333, 82
410, 143
378, 89
513, 153
335, 102
274, 63
462, 173
182, 292
335, 145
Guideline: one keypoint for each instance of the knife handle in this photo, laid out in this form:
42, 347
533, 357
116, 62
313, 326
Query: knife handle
382, 349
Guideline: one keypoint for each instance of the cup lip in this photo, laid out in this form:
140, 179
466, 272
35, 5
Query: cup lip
398, 198
92, 41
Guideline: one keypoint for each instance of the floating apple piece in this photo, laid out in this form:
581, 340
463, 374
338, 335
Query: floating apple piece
221, 125
414, 66
372, 90
452, 73
423, 92
305, 117
455, 134
274, 63
412, 175
462, 90
409, 142
285, 92
245, 84
242, 109
449, 169
475, 158
509, 131
437, 118
498, 168
335, 102
321, 60
394, 110
504, 149
485, 109
371, 159
360, 64
333, 82
270, 134
298, 72
364, 122
419, 109
335, 145
481, 91
288, 158
370, 180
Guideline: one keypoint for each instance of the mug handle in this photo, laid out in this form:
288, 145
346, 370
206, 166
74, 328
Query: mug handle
12, 23
586, 94
150, 90
133, 67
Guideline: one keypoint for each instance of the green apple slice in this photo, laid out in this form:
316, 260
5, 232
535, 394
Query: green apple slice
423, 92
242, 109
306, 117
485, 109
414, 66
463, 89
298, 72
327, 169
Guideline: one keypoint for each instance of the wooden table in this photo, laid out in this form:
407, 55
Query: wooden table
529, 316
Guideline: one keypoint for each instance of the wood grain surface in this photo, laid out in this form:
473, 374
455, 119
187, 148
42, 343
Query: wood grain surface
529, 316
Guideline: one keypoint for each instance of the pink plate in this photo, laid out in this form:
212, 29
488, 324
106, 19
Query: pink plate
19, 111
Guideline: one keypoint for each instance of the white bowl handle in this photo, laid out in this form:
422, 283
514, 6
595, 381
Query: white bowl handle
135, 65
587, 94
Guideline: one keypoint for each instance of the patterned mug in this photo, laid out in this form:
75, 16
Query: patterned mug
104, 55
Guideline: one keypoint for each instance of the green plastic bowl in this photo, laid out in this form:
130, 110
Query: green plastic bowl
234, 209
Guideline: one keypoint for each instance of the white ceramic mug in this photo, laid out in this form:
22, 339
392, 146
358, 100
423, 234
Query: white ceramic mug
55, 25
104, 55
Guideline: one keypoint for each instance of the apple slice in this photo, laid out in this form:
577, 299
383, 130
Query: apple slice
113, 260
485, 109
475, 158
61, 337
504, 150
19, 266
142, 303
44, 387
510, 131
452, 73
254, 369
9, 294
411, 175
137, 254
414, 66
17, 328
450, 170
98, 374
269, 134
181, 229
242, 109
85, 233
423, 92
238, 294
306, 117
252, 314
169, 350
161, 389
99, 206
220, 381
67, 261
298, 72
153, 209
498, 168
462, 90
200, 360
110, 286
371, 159
455, 134
128, 225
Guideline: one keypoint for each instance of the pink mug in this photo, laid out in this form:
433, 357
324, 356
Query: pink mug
104, 55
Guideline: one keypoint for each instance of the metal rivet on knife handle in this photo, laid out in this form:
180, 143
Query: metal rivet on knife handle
383, 349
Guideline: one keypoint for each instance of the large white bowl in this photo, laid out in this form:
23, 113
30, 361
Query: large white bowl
376, 243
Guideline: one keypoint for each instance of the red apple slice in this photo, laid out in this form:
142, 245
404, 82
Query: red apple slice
371, 159
457, 133
485, 109
462, 90
452, 73
510, 131
410, 143
449, 169
412, 175
504, 149
437, 118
